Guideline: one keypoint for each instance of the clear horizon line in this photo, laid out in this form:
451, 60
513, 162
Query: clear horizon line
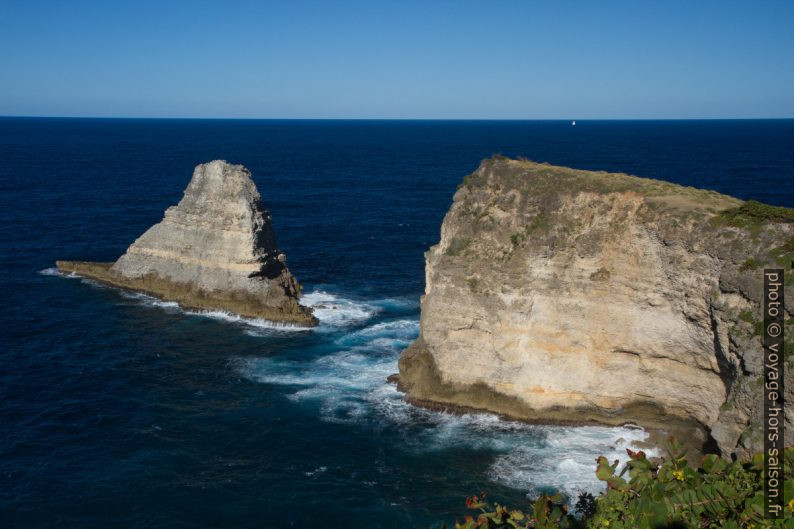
196, 118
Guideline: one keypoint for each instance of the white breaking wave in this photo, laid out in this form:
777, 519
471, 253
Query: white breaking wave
530, 457
349, 386
385, 334
345, 383
256, 324
332, 311
336, 311
149, 301
55, 272
566, 458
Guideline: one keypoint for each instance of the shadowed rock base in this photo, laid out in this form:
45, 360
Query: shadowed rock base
191, 298
421, 382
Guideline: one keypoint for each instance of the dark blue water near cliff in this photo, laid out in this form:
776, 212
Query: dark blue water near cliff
121, 411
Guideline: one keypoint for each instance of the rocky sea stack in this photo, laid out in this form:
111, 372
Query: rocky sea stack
215, 250
564, 295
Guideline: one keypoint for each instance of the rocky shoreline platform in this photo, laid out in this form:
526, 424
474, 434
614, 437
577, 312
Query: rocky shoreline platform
558, 295
215, 250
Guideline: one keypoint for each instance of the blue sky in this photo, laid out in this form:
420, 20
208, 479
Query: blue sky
401, 59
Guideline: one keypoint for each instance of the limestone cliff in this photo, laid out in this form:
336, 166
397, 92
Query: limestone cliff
564, 295
215, 250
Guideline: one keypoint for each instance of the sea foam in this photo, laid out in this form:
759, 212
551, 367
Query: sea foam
348, 386
52, 271
332, 310
335, 311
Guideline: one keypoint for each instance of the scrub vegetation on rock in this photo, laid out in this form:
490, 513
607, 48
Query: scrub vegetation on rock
646, 494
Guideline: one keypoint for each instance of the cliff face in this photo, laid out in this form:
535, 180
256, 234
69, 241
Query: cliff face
214, 250
557, 294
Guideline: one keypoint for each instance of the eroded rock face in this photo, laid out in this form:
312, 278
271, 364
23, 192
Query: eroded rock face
557, 294
216, 249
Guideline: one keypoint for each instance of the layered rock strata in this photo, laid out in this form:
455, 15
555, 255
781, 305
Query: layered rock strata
215, 250
563, 295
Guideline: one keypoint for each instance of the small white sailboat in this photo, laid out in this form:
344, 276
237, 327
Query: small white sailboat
573, 123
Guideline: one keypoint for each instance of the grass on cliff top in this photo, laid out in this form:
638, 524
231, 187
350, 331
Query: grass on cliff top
755, 229
543, 178
754, 212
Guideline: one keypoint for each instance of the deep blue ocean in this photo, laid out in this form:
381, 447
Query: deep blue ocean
117, 410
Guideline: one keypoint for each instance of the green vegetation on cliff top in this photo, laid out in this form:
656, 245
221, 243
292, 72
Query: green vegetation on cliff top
752, 212
539, 178
542, 178
542, 184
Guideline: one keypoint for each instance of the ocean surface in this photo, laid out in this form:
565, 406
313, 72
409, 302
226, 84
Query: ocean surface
118, 410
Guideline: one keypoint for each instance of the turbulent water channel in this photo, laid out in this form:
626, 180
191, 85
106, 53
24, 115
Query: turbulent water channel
342, 376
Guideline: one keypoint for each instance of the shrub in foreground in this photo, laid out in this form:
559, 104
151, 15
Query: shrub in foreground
647, 494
